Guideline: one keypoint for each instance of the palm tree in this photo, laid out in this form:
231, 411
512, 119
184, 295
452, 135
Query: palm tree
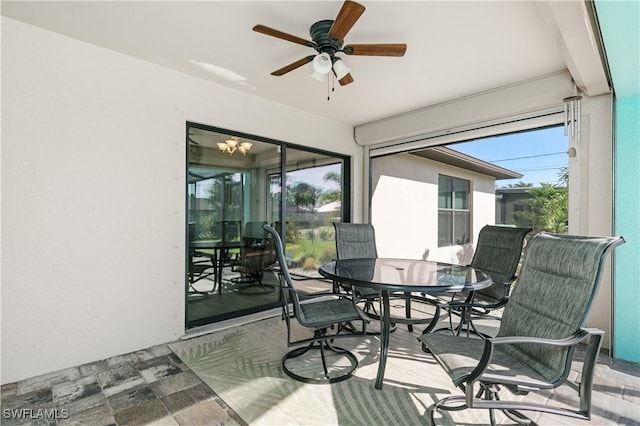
332, 194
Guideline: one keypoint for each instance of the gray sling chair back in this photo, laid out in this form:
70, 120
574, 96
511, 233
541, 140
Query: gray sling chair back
324, 314
497, 254
540, 329
358, 241
257, 254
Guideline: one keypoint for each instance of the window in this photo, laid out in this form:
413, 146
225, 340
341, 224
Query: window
454, 216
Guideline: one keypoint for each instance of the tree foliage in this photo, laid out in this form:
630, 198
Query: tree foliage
520, 184
303, 196
549, 207
332, 195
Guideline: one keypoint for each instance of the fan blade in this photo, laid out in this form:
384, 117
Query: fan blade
375, 49
293, 66
347, 79
347, 16
284, 36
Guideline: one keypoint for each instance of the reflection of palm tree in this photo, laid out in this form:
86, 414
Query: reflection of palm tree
332, 194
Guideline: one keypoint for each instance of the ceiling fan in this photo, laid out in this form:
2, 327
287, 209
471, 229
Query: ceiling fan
327, 40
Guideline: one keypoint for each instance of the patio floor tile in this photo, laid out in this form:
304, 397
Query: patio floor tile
153, 387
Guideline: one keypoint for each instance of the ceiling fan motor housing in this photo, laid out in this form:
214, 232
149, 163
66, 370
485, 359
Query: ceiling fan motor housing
319, 34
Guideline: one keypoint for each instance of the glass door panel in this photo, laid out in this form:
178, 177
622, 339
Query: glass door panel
235, 186
313, 202
230, 263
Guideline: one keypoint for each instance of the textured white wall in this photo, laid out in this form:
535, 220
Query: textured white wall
93, 194
591, 194
404, 209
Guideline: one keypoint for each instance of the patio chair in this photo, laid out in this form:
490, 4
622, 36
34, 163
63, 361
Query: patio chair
497, 254
541, 326
358, 241
322, 314
257, 254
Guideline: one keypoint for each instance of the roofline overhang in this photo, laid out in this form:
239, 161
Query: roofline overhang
455, 158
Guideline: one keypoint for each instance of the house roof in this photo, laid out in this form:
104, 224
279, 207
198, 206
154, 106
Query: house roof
458, 159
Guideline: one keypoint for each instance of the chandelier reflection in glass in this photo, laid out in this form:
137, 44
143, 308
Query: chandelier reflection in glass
232, 145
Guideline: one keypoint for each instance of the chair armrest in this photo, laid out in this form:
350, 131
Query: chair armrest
574, 339
490, 343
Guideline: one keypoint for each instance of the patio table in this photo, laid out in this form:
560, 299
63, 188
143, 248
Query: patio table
402, 275
219, 249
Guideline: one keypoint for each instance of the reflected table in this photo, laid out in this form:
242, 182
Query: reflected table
402, 275
220, 249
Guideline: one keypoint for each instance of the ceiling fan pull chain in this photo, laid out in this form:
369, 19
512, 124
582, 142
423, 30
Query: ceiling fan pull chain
328, 84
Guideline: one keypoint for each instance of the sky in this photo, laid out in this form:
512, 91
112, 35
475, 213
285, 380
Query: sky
537, 154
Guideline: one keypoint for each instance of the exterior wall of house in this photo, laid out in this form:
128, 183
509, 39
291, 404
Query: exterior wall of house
96, 140
404, 207
509, 202
627, 266
619, 21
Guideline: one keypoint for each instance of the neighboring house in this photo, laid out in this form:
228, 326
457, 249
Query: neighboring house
431, 204
510, 201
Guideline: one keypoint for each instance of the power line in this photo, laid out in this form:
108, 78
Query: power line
531, 156
540, 168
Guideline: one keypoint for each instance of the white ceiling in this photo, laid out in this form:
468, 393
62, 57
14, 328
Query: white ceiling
455, 48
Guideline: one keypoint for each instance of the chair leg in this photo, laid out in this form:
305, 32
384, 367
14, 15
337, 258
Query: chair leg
487, 393
322, 345
407, 310
447, 404
490, 393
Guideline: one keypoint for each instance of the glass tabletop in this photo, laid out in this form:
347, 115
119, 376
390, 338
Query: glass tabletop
406, 275
215, 244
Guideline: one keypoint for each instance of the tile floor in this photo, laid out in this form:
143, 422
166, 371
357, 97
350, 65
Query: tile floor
146, 387
153, 386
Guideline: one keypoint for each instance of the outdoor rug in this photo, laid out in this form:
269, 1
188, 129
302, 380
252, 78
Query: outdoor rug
242, 365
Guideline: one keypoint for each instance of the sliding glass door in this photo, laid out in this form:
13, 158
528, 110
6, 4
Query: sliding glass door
314, 200
234, 186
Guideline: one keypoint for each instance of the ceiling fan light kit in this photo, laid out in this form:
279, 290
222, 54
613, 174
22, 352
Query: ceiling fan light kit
318, 76
340, 68
322, 63
327, 40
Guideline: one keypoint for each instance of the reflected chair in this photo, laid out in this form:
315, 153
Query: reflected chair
201, 264
324, 315
257, 254
541, 326
497, 254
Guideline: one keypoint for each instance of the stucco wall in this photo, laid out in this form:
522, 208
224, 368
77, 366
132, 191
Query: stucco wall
92, 141
591, 194
404, 207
